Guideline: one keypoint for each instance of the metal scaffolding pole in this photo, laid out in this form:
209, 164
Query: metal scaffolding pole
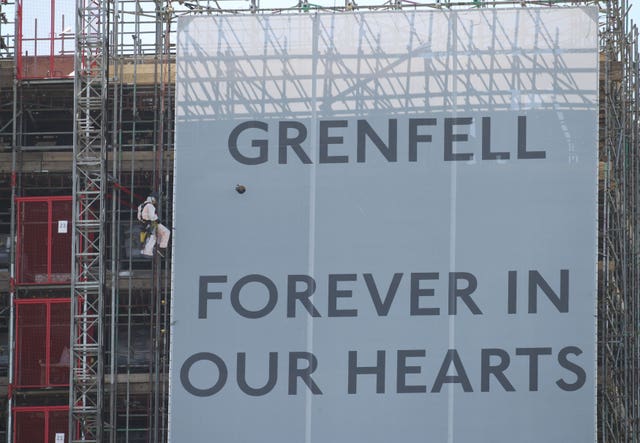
87, 275
618, 316
135, 36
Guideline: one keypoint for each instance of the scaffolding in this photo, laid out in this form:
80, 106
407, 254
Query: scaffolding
101, 130
89, 179
618, 316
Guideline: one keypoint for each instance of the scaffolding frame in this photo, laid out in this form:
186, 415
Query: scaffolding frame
619, 284
618, 409
123, 142
89, 176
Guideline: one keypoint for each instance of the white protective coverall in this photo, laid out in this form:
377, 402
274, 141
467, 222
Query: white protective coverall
148, 214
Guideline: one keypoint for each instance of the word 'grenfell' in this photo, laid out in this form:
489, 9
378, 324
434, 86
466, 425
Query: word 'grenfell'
292, 134
255, 295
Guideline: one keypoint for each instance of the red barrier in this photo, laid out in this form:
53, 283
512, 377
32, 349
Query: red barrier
43, 249
45, 43
40, 424
42, 357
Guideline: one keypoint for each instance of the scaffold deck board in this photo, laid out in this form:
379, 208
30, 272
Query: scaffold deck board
41, 161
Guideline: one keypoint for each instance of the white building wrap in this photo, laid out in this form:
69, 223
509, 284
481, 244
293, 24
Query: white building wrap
410, 254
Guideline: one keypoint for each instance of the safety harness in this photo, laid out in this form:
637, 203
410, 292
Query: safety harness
149, 226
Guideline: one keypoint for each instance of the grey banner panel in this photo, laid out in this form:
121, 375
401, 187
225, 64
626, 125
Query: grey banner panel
412, 253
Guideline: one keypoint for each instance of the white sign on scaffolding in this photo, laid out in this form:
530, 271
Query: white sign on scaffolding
386, 227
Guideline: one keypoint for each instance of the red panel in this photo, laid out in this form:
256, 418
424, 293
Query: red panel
43, 253
60, 356
60, 241
40, 424
31, 344
45, 44
58, 424
42, 343
33, 241
29, 426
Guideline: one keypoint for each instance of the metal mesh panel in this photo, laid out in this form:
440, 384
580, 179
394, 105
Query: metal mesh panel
31, 345
45, 44
61, 240
58, 424
40, 424
32, 243
60, 356
29, 426
42, 343
44, 240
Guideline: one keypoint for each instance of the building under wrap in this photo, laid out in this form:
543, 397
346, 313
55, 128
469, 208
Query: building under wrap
385, 220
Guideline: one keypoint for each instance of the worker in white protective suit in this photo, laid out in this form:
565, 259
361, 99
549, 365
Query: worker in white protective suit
153, 228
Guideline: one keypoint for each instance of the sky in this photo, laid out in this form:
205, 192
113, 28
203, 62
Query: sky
36, 16
634, 12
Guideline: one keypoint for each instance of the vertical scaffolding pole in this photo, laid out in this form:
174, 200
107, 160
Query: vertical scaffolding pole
163, 30
87, 275
12, 247
112, 320
163, 318
618, 317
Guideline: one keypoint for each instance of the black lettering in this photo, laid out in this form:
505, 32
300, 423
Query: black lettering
303, 296
522, 141
254, 278
460, 374
241, 374
378, 370
462, 293
581, 376
403, 370
203, 356
533, 354
326, 140
496, 370
335, 293
389, 151
417, 292
512, 292
284, 141
382, 307
262, 145
303, 373
537, 281
486, 143
450, 137
204, 295
414, 138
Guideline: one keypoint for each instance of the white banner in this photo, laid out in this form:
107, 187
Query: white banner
386, 227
